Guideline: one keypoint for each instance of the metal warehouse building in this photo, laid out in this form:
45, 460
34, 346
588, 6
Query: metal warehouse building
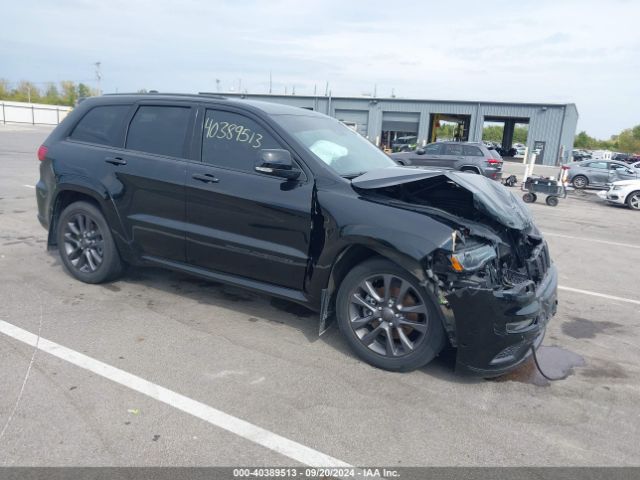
551, 127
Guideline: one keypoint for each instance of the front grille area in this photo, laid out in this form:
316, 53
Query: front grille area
538, 263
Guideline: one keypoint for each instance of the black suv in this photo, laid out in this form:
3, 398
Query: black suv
294, 204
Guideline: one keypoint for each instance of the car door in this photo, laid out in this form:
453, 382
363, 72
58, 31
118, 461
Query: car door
619, 171
431, 156
597, 173
151, 175
240, 221
453, 156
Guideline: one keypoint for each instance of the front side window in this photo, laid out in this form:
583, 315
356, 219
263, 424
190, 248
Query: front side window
159, 129
231, 140
345, 151
102, 125
433, 149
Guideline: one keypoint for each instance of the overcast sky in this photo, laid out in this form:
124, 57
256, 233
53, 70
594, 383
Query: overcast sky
584, 52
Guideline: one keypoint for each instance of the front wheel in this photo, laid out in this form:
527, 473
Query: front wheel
633, 201
387, 318
552, 201
86, 246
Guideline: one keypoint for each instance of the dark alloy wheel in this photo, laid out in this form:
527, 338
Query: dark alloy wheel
633, 201
85, 243
580, 181
388, 317
529, 197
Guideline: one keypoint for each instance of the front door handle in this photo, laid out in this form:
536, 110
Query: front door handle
205, 177
115, 160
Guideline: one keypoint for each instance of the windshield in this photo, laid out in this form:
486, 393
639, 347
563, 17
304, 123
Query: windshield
344, 150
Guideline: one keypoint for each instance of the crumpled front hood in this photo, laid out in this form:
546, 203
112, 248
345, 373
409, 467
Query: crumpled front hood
489, 196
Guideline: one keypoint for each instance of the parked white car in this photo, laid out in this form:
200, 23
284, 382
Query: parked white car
623, 192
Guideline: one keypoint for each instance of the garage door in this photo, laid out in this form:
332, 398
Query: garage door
356, 119
400, 121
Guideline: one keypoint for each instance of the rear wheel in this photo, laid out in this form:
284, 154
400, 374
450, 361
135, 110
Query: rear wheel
470, 170
529, 197
580, 181
86, 246
388, 318
633, 200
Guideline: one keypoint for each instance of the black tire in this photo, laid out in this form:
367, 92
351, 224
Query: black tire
552, 201
416, 337
470, 170
580, 182
633, 200
86, 245
529, 197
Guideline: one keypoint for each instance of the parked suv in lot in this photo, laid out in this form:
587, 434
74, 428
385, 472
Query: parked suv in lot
466, 157
294, 204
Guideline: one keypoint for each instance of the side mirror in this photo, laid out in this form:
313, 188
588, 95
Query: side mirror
277, 162
420, 151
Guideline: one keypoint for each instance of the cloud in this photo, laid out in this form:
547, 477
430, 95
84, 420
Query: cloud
585, 52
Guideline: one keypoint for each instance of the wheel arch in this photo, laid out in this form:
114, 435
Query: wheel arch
353, 255
73, 189
470, 167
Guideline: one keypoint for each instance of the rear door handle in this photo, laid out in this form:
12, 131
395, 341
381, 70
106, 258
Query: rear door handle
115, 160
205, 177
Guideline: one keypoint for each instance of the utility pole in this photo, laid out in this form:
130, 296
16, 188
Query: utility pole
270, 84
218, 85
98, 76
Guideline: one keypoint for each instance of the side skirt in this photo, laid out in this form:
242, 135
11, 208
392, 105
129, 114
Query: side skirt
261, 287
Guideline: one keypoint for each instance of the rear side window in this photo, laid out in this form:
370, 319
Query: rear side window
600, 165
231, 140
453, 149
159, 129
102, 125
471, 151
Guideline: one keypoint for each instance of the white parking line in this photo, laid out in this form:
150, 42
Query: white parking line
586, 239
601, 295
265, 438
29, 186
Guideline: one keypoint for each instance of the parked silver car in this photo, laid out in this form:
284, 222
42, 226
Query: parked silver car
598, 173
469, 157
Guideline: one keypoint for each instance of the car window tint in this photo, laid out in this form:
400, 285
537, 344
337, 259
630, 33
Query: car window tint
102, 125
453, 149
471, 151
602, 165
159, 129
231, 140
432, 149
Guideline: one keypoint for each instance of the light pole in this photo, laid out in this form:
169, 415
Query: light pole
98, 76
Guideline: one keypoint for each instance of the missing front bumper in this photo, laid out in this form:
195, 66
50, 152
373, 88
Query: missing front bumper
488, 344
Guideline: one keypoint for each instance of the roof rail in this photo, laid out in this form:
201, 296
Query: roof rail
155, 92
211, 94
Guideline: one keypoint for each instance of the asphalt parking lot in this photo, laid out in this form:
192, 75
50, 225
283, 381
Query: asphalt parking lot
240, 356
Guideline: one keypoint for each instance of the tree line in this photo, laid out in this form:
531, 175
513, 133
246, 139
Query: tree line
627, 141
64, 93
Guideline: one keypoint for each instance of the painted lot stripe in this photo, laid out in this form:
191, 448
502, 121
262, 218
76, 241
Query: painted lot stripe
585, 239
29, 186
246, 430
601, 295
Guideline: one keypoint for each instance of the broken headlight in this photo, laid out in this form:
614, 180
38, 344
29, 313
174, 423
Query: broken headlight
472, 259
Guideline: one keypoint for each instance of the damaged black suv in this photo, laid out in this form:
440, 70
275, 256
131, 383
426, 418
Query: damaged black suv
294, 204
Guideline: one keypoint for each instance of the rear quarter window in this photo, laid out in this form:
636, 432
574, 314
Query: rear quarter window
102, 125
161, 130
471, 151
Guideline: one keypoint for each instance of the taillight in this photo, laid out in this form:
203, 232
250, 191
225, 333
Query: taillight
42, 152
493, 161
